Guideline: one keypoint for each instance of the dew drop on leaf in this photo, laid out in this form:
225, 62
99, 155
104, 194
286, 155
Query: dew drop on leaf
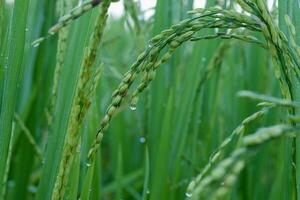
142, 139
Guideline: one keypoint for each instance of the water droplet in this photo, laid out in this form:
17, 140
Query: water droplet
222, 183
188, 194
142, 139
36, 45
133, 107
148, 191
88, 164
27, 29
133, 102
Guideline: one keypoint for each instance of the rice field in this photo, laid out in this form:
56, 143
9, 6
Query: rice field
140, 99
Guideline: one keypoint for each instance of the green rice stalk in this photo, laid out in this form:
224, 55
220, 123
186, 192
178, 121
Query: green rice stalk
214, 64
13, 56
86, 86
291, 8
63, 7
9, 158
284, 61
292, 31
269, 99
66, 19
29, 136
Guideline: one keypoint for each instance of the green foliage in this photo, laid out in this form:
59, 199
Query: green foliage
164, 119
11, 64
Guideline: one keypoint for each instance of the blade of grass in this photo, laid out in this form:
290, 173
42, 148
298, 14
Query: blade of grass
147, 175
126, 180
37, 74
69, 78
13, 66
291, 8
87, 182
73, 183
159, 183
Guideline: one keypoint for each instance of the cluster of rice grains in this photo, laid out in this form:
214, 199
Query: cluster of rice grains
224, 174
237, 133
169, 40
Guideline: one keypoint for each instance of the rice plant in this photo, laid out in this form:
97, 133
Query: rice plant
174, 101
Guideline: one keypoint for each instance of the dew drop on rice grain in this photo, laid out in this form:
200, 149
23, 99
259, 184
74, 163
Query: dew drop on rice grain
133, 108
